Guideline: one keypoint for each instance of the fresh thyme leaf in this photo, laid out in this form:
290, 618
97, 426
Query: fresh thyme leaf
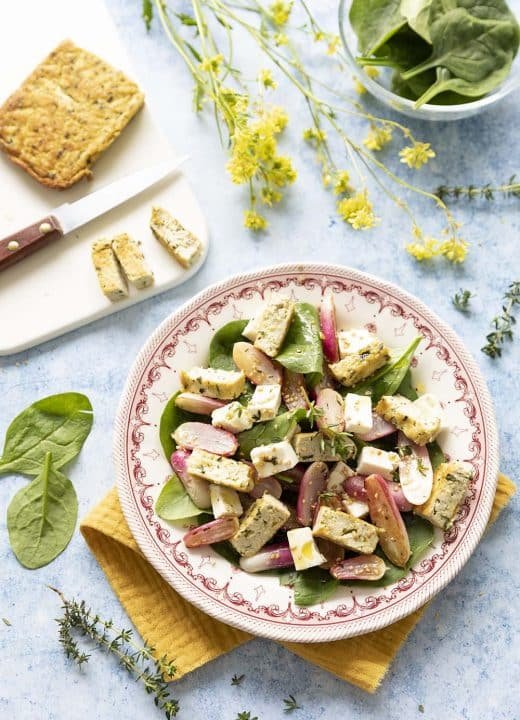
461, 300
237, 679
147, 12
291, 704
503, 324
6, 622
186, 19
245, 715
511, 188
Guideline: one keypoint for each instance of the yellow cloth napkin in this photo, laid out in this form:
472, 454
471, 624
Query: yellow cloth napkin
191, 638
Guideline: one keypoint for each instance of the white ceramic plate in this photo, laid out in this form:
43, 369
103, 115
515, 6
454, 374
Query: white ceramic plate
257, 603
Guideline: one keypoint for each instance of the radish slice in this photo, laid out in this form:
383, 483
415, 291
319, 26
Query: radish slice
255, 365
292, 522
415, 471
385, 515
380, 428
313, 483
355, 487
212, 532
199, 435
333, 553
198, 404
328, 328
267, 485
294, 392
292, 478
399, 496
271, 556
363, 567
197, 488
332, 408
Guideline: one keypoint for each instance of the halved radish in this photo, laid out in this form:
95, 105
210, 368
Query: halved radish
331, 406
400, 499
362, 567
355, 487
294, 392
328, 328
212, 532
199, 435
380, 428
197, 488
415, 471
385, 514
198, 404
255, 365
271, 556
267, 485
312, 484
333, 553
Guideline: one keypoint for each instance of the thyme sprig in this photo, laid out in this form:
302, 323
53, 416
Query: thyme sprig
291, 704
138, 660
503, 324
461, 300
237, 679
245, 715
511, 188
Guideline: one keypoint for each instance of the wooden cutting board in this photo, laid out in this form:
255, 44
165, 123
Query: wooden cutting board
56, 290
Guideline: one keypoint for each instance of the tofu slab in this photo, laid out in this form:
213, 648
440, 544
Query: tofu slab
314, 446
179, 241
357, 366
131, 259
221, 384
418, 422
450, 486
221, 470
263, 519
273, 325
345, 530
111, 280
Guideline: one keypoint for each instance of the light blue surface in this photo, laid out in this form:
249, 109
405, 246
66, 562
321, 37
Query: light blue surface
461, 661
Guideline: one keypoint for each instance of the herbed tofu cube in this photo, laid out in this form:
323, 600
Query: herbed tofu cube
339, 473
356, 365
345, 530
263, 519
450, 486
304, 550
179, 242
313, 446
225, 502
273, 325
380, 462
265, 403
233, 417
131, 258
273, 458
221, 384
110, 277
420, 422
358, 413
221, 470
251, 329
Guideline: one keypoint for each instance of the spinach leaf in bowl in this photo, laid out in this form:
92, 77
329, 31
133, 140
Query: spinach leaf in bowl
374, 22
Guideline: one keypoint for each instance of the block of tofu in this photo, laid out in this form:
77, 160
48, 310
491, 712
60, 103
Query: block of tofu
363, 355
373, 460
339, 473
420, 422
225, 502
358, 413
221, 384
233, 417
131, 259
110, 277
345, 530
221, 470
273, 458
263, 519
273, 325
450, 486
179, 242
357, 508
265, 403
304, 550
313, 446
252, 326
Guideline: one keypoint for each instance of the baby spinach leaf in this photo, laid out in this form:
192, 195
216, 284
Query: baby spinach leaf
174, 503
447, 85
312, 586
221, 346
227, 551
173, 416
41, 517
302, 350
374, 22
406, 388
402, 51
272, 431
417, 13
59, 424
437, 456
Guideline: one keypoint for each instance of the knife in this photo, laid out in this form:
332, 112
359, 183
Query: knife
70, 216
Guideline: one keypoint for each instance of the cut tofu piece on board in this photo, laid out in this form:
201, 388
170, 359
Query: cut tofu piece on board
263, 519
420, 420
179, 241
221, 384
273, 325
345, 530
110, 277
131, 259
368, 357
221, 470
450, 486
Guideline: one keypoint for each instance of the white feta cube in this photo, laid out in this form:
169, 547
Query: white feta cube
339, 473
353, 341
356, 508
303, 548
225, 502
233, 417
358, 413
274, 458
380, 462
265, 403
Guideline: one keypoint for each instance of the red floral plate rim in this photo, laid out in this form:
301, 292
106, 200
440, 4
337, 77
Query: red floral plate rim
219, 599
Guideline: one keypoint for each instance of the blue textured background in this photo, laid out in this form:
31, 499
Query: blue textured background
461, 660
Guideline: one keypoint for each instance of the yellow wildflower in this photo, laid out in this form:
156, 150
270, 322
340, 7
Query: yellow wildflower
371, 71
280, 39
416, 155
254, 221
326, 178
266, 79
333, 44
357, 210
378, 137
314, 136
212, 64
280, 171
359, 87
280, 11
424, 250
341, 182
270, 197
243, 162
454, 249
277, 118
318, 36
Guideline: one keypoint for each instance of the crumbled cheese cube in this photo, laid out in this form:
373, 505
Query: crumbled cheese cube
273, 325
221, 470
380, 462
274, 458
345, 530
265, 403
419, 420
222, 384
233, 417
339, 473
303, 548
450, 486
358, 413
357, 508
263, 519
314, 446
358, 364
225, 501
131, 259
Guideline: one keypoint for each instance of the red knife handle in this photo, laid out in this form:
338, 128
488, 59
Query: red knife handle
20, 244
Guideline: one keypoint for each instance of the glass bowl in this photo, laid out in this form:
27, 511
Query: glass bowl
380, 88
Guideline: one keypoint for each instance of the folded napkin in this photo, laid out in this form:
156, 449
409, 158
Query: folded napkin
191, 638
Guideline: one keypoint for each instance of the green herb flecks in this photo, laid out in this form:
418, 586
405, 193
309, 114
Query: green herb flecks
461, 300
511, 188
291, 704
503, 324
237, 680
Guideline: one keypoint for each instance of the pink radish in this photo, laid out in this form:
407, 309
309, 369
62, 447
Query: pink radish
212, 532
312, 484
399, 496
270, 557
292, 522
267, 485
328, 328
355, 487
333, 553
197, 488
198, 404
415, 471
331, 407
385, 514
199, 435
380, 428
362, 567
292, 478
255, 365
294, 392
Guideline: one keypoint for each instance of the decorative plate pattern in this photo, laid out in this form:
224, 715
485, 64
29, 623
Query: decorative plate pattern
258, 604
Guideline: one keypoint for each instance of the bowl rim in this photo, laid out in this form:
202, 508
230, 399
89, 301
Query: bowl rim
259, 626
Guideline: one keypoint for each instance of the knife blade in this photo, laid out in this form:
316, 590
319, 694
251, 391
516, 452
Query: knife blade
70, 216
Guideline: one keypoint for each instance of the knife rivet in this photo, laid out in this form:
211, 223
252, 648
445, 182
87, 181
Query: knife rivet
13, 245
45, 227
